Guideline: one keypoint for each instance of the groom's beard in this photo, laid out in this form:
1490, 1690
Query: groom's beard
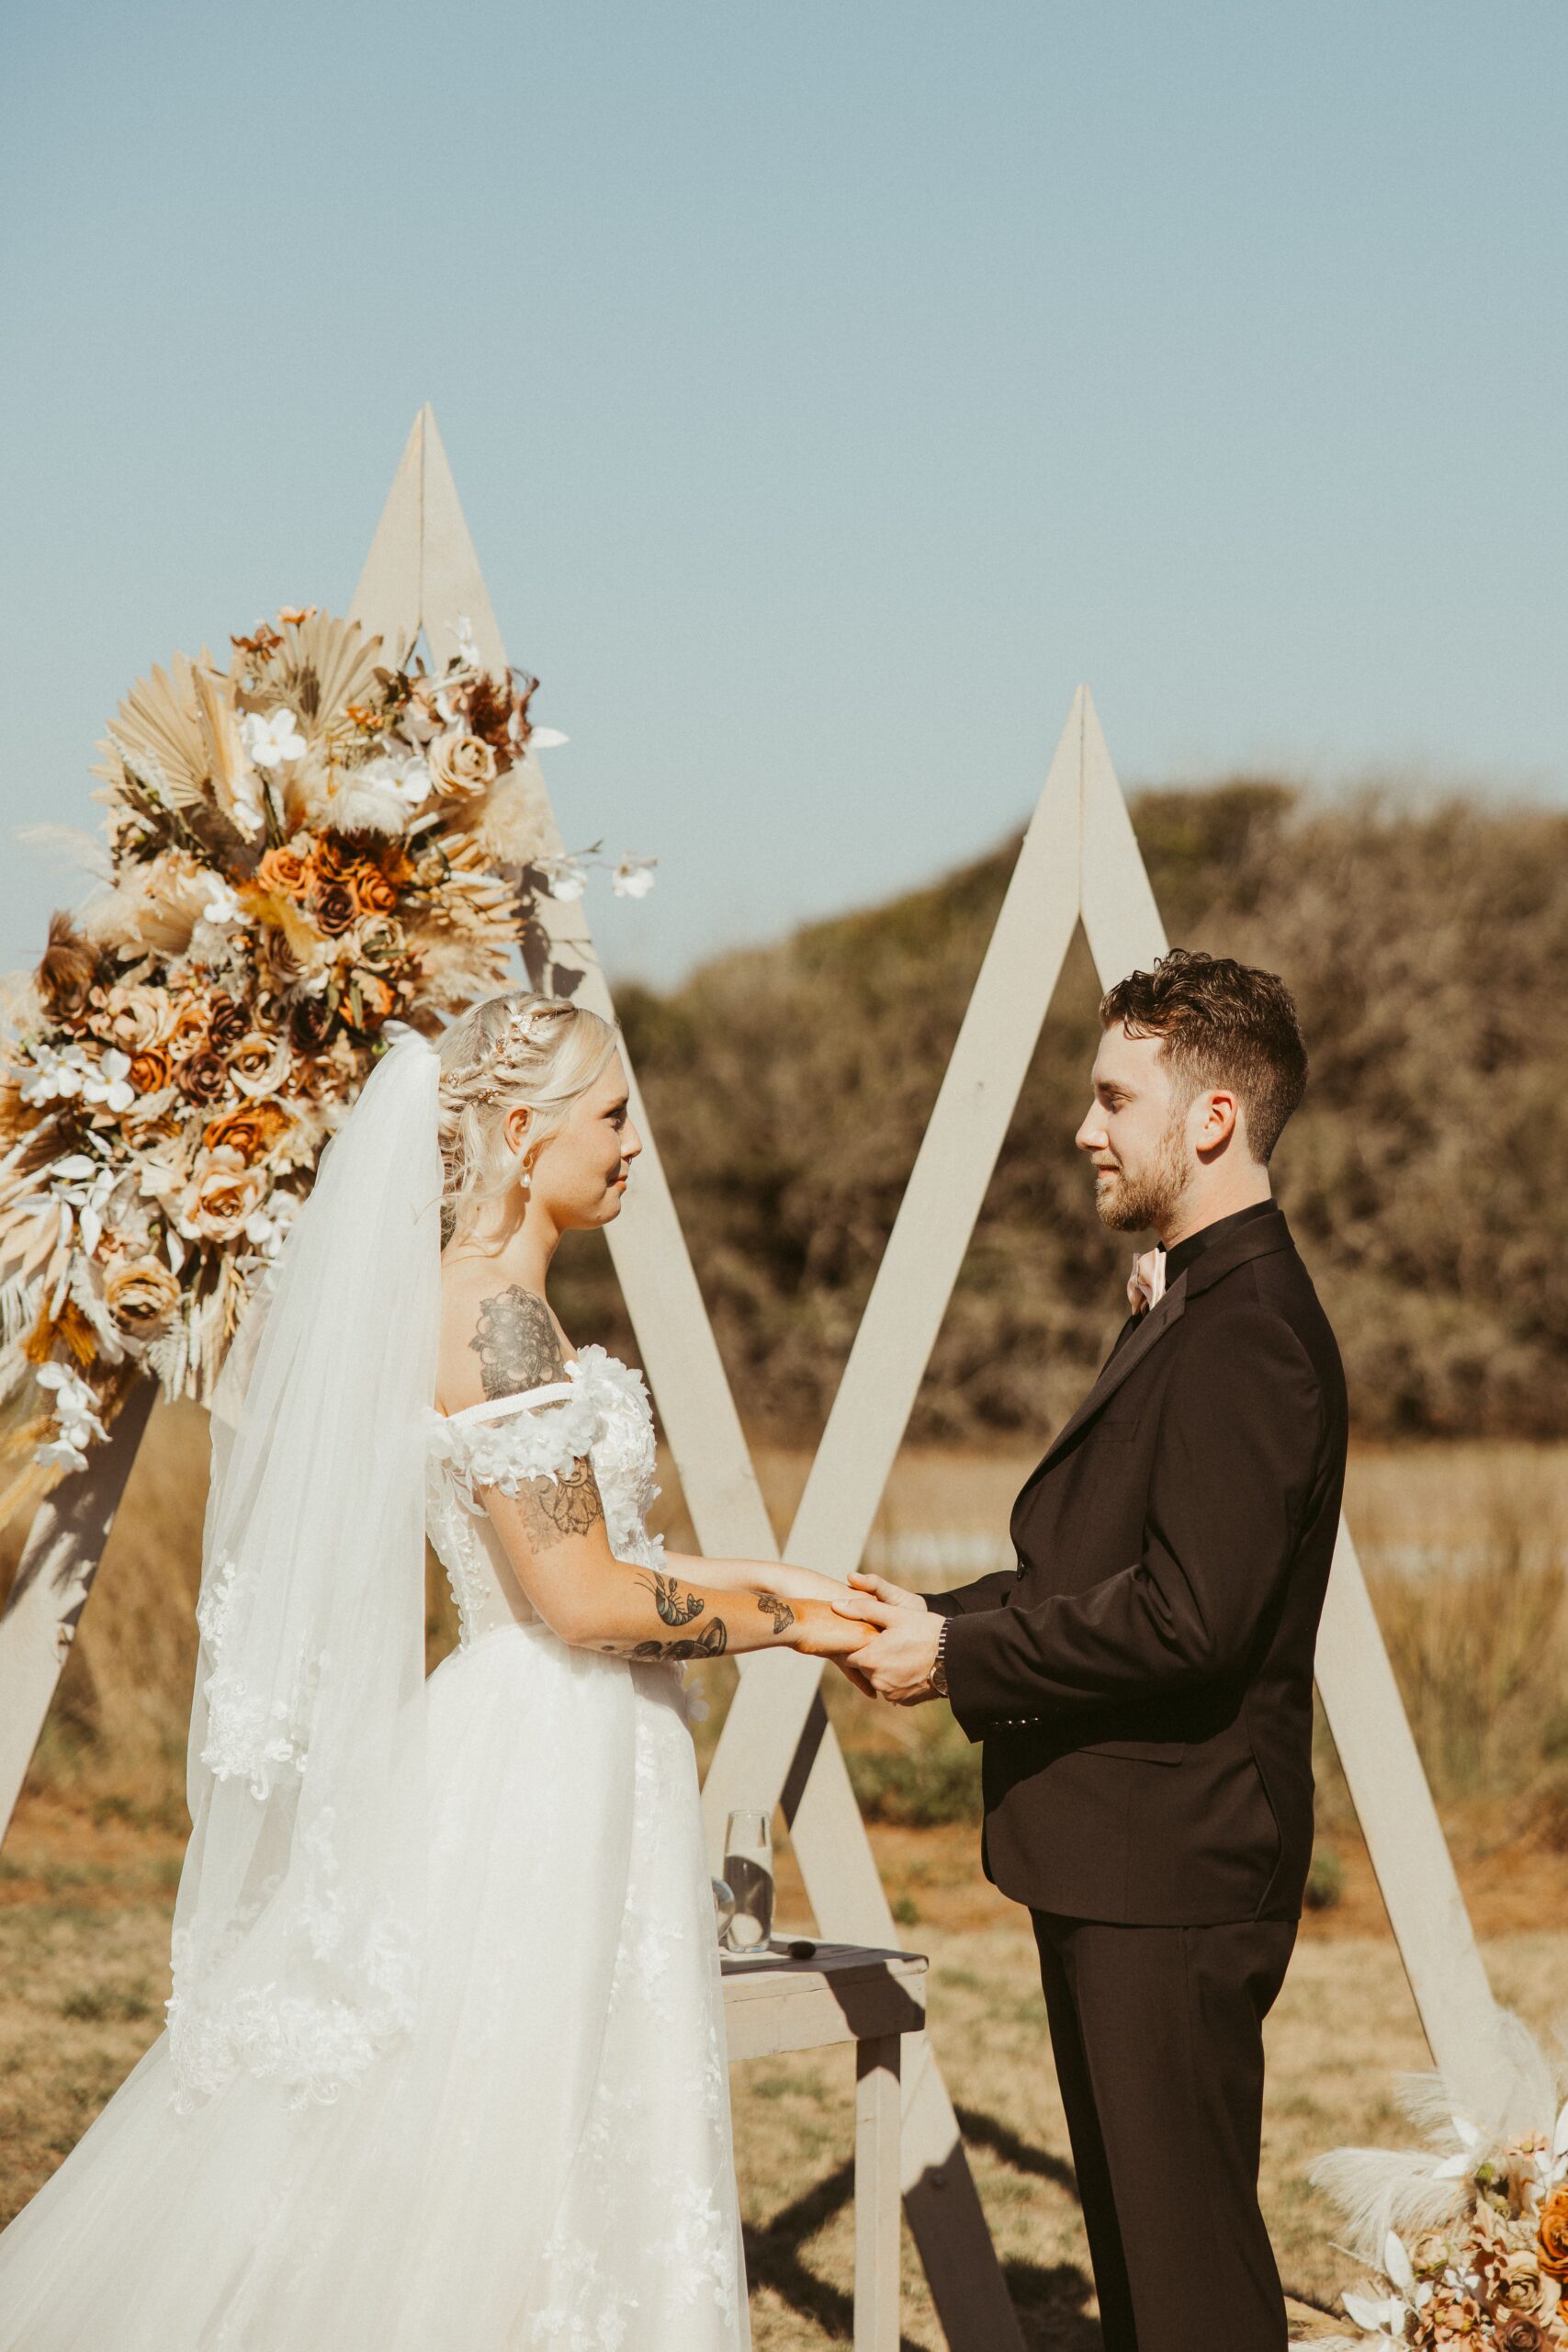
1135, 1200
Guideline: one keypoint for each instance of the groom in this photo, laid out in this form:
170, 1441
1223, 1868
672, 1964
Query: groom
1143, 1683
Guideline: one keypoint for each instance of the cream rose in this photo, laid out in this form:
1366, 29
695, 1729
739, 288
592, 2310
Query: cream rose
259, 1064
460, 762
221, 1195
142, 1295
137, 1017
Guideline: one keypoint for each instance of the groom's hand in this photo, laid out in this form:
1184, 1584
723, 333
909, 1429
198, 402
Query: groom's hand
897, 1663
893, 1594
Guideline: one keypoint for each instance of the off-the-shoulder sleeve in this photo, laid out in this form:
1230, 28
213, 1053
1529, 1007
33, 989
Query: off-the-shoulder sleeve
508, 1451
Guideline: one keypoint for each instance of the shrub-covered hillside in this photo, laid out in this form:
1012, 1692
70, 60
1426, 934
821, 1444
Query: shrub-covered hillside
1424, 1175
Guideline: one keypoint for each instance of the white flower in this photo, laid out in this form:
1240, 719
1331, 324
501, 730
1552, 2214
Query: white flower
86, 1188
547, 739
39, 1086
566, 877
221, 906
74, 1405
633, 878
468, 650
405, 773
265, 1232
272, 737
108, 1083
56, 1075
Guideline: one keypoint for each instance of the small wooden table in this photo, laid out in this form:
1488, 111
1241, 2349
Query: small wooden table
844, 1993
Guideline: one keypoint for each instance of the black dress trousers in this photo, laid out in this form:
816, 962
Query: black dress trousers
1158, 2043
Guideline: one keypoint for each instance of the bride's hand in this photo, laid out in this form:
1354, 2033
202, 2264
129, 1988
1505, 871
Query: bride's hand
820, 1630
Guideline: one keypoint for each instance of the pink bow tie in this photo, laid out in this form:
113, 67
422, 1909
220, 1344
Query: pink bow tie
1146, 1283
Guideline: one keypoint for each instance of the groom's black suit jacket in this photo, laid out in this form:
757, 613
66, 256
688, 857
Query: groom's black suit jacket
1142, 1683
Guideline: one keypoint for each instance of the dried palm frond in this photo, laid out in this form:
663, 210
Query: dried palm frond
322, 665
157, 904
236, 784
157, 735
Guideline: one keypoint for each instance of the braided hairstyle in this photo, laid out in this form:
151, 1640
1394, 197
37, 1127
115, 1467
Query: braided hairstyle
518, 1047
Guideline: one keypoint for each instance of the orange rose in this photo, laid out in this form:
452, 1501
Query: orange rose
142, 1295
151, 1071
251, 1131
375, 892
285, 872
1551, 2233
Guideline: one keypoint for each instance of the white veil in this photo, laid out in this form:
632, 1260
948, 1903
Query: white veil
298, 1922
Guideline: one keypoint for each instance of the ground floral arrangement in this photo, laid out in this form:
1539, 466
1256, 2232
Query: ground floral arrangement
1469, 2235
303, 845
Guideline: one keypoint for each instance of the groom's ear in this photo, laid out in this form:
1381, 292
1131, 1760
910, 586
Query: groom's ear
1217, 1123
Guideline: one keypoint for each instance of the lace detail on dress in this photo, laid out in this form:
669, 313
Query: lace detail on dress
602, 1411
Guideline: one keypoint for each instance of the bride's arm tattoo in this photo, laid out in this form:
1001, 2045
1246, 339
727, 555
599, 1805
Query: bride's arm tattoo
712, 1642
674, 1607
778, 1612
516, 1343
554, 1507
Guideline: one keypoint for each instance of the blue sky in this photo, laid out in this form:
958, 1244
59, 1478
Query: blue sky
829, 388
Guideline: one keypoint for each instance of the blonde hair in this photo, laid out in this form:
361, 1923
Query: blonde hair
539, 1051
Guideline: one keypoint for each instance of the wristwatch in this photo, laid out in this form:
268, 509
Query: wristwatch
939, 1663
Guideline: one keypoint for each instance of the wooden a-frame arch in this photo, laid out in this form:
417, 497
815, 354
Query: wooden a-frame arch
1078, 858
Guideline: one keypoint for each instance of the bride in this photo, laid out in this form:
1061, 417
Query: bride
445, 2061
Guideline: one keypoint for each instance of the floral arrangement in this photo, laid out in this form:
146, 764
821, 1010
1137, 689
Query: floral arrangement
303, 845
1468, 2236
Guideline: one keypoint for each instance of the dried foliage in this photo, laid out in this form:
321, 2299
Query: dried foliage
301, 845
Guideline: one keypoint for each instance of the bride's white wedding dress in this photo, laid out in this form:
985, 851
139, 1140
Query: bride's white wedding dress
542, 2162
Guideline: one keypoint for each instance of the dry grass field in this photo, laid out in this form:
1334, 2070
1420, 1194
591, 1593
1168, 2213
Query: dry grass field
1465, 1546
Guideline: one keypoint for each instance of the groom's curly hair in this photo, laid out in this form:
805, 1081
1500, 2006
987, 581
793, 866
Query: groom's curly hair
1224, 1024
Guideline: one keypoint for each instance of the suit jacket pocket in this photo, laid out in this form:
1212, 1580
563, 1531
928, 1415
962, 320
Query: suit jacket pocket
1141, 1751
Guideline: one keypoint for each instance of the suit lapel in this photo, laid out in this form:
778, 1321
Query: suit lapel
1256, 1239
1125, 1360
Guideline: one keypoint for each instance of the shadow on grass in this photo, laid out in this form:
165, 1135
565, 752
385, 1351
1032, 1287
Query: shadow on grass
773, 2258
984, 2132
1050, 2302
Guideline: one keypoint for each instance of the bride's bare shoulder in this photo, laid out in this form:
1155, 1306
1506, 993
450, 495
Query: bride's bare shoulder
498, 1337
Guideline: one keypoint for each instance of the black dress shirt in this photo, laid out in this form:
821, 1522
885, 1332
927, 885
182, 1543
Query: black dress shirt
1187, 1251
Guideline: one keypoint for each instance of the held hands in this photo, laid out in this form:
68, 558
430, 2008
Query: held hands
897, 1663
829, 1629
